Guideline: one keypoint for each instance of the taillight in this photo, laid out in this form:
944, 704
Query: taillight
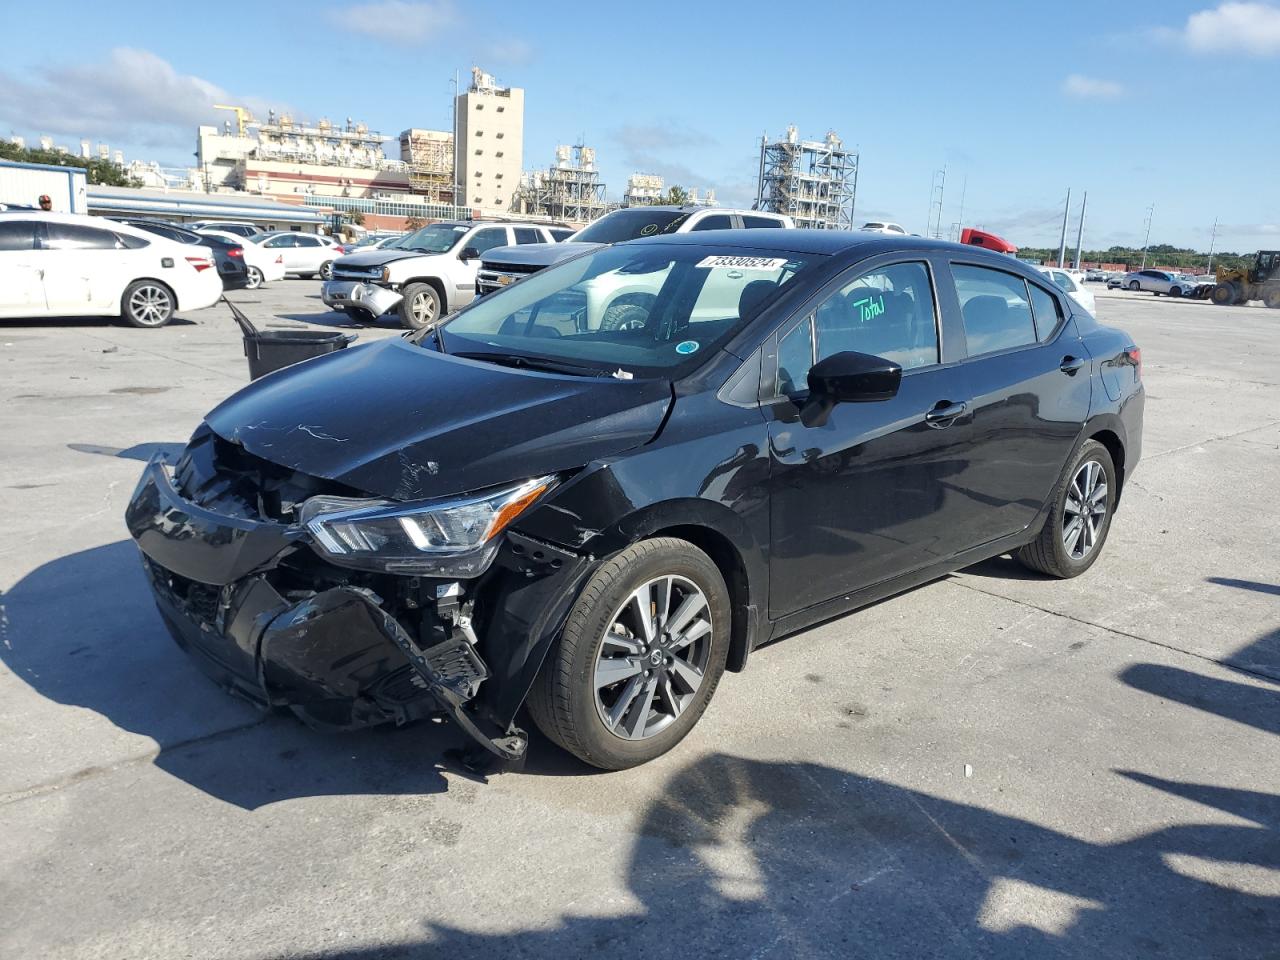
1134, 356
236, 252
200, 263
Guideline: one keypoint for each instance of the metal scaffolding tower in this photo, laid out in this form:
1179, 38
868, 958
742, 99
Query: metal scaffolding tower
812, 181
429, 154
570, 190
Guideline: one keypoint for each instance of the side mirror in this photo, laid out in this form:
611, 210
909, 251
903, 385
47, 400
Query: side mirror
848, 378
469, 253
855, 378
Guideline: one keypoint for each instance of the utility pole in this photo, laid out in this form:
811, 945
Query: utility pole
1214, 237
937, 192
1062, 240
457, 92
1084, 203
1151, 212
964, 188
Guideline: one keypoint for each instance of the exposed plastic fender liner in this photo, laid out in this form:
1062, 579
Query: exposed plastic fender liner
528, 603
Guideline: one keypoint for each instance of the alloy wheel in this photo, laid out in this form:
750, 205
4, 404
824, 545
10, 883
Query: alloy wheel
653, 657
255, 278
149, 305
326, 270
424, 309
1084, 510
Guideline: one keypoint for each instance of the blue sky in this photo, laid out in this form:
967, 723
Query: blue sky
1018, 100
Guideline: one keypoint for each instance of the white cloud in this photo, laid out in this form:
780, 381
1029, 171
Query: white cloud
1091, 88
132, 96
1250, 28
403, 22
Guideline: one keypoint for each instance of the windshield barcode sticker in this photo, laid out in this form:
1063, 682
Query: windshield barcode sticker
743, 263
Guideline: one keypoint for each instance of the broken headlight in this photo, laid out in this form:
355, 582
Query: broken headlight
450, 538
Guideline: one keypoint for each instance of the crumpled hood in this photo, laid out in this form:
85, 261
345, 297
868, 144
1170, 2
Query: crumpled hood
535, 254
377, 258
401, 421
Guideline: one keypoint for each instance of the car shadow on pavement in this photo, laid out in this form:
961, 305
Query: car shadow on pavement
742, 857
1004, 567
28, 323
143, 452
83, 631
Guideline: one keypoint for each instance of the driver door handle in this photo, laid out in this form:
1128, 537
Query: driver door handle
944, 413
1070, 365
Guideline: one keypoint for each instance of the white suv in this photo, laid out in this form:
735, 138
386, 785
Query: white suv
427, 275
504, 266
65, 265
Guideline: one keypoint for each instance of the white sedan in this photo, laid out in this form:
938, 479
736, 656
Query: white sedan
305, 254
66, 265
1071, 283
264, 265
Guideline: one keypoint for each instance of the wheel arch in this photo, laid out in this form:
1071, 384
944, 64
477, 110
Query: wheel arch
1109, 431
177, 301
436, 284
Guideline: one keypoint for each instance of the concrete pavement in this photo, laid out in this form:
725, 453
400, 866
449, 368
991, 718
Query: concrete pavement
993, 765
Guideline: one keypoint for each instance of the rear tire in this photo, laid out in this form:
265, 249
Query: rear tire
604, 636
1055, 551
255, 279
148, 304
1271, 298
420, 307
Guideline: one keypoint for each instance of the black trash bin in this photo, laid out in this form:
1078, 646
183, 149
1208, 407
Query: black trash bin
270, 350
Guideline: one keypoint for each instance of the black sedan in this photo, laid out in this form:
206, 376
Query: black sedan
599, 488
228, 256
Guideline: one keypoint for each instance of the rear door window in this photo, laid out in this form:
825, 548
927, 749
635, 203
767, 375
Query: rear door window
995, 307
719, 221
74, 236
528, 235
1048, 313
17, 235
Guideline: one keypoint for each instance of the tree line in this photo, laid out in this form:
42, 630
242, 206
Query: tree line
99, 171
1158, 254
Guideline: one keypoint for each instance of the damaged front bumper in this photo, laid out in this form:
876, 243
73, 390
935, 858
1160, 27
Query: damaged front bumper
270, 621
353, 293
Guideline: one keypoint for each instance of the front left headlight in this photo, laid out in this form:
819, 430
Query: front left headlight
448, 538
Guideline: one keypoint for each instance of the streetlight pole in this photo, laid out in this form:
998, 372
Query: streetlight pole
1062, 240
1212, 239
1084, 203
1151, 212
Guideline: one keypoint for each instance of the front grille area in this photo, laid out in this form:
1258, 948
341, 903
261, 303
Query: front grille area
356, 273
514, 269
199, 600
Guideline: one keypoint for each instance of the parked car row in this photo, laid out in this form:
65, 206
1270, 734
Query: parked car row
1158, 282
55, 264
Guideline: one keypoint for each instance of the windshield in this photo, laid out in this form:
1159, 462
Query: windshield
638, 310
631, 224
437, 238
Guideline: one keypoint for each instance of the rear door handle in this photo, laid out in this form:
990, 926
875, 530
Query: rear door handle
1070, 365
944, 413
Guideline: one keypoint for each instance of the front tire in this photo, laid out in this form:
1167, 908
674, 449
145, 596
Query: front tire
1079, 518
420, 307
326, 270
148, 304
1224, 294
641, 654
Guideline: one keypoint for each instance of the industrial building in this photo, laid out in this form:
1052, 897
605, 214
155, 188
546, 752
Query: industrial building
814, 182
570, 189
489, 120
429, 156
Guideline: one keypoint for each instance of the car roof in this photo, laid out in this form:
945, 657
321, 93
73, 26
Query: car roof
828, 242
